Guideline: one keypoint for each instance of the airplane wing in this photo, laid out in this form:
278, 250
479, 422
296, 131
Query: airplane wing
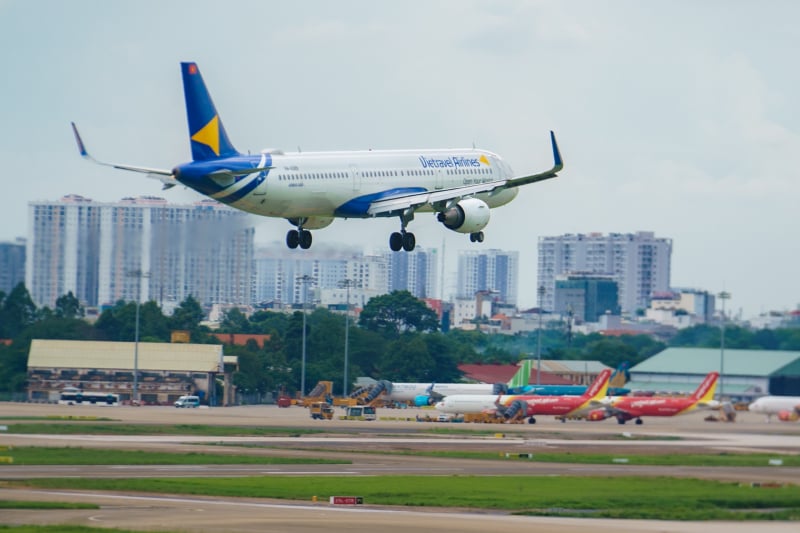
416, 200
165, 176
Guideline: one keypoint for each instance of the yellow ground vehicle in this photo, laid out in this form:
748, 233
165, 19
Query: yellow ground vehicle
320, 411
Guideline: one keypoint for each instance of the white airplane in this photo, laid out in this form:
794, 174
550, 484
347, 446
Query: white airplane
787, 408
311, 189
510, 404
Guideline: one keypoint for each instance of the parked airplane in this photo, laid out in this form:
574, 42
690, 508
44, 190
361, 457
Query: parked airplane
311, 189
787, 408
625, 408
422, 394
531, 405
615, 386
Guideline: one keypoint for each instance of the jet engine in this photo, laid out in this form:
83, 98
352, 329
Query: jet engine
468, 216
597, 414
788, 416
422, 401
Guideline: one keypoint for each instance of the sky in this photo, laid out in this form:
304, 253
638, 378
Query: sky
681, 117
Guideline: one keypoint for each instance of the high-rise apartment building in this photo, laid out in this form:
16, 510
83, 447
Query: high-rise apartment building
12, 264
279, 271
415, 272
138, 248
586, 297
490, 270
638, 262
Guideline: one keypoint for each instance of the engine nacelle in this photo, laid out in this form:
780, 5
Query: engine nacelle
422, 401
788, 416
468, 216
597, 414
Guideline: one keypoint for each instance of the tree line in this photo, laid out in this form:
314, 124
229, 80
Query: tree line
397, 338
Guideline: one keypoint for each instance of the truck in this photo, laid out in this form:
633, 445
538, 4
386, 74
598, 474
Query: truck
320, 411
359, 412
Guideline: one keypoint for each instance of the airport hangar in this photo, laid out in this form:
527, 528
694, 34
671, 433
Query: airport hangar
746, 374
166, 370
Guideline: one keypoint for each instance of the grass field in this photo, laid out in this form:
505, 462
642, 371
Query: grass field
617, 497
32, 455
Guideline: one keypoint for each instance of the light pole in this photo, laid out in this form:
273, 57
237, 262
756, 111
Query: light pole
540, 293
304, 280
138, 274
346, 283
722, 296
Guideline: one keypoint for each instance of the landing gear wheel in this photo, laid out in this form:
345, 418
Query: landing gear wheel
531, 420
305, 239
476, 237
639, 422
396, 241
409, 242
292, 239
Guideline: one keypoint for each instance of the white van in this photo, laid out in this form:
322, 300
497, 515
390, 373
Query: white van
187, 401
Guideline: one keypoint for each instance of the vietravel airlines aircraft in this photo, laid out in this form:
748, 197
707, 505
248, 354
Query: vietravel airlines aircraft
311, 189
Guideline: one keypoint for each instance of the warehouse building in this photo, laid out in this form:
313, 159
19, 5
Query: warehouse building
745, 374
165, 370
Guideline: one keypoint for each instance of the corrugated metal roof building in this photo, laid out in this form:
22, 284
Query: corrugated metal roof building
745, 374
166, 370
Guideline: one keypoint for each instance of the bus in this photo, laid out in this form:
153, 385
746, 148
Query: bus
73, 396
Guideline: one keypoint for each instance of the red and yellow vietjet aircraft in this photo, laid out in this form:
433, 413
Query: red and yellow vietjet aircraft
625, 408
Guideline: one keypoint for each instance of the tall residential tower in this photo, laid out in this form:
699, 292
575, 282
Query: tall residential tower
138, 248
638, 262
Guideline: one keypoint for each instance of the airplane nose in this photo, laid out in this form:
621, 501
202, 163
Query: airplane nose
439, 405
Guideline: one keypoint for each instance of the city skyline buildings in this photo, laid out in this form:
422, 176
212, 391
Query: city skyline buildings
494, 271
137, 249
640, 264
163, 240
12, 264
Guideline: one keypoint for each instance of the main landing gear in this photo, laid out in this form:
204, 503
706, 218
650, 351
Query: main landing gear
402, 240
298, 237
476, 237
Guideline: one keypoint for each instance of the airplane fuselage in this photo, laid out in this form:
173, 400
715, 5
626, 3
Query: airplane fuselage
786, 407
311, 189
341, 184
637, 407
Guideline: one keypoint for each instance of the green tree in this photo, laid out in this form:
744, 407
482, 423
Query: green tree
234, 321
187, 316
408, 359
396, 313
17, 313
68, 306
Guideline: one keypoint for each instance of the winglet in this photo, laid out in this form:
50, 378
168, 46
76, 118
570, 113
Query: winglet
558, 162
81, 147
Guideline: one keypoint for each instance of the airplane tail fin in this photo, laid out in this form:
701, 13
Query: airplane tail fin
523, 376
208, 137
599, 386
705, 392
620, 376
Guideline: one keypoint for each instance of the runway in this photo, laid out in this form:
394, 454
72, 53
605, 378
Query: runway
689, 434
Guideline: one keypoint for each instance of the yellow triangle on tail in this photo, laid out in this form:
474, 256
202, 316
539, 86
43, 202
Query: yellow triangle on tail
209, 135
